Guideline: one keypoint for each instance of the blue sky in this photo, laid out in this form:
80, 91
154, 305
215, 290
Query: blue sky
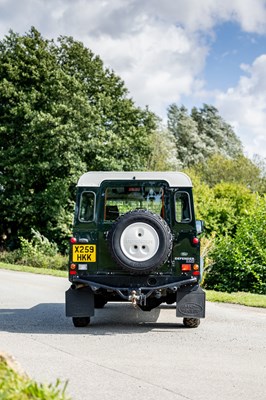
169, 51
230, 48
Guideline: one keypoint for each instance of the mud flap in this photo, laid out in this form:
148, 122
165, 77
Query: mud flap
79, 302
190, 302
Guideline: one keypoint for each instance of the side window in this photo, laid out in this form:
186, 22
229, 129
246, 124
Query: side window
86, 209
182, 207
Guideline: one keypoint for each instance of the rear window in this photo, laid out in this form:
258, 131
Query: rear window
119, 200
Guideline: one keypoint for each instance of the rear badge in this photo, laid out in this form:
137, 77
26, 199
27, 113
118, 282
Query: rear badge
186, 259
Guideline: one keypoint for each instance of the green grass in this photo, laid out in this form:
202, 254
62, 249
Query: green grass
41, 271
17, 386
246, 299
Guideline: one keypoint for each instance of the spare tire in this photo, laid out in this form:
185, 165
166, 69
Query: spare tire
140, 241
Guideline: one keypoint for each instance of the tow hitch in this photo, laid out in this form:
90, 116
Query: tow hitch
137, 298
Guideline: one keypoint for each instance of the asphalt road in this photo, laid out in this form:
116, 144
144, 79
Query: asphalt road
129, 354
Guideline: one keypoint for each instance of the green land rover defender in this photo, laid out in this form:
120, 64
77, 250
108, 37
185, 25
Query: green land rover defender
135, 239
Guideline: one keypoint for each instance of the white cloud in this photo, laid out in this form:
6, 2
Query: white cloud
203, 15
159, 63
245, 106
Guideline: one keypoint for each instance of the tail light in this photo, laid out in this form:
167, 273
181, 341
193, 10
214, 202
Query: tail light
72, 269
185, 267
196, 270
196, 273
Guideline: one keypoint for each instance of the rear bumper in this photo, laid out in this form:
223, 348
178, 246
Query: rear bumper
142, 291
189, 297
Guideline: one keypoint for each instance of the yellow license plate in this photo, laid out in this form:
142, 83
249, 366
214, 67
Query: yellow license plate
84, 253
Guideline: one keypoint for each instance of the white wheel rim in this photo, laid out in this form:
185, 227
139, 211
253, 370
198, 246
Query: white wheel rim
139, 241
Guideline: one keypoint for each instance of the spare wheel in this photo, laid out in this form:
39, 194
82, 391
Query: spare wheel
140, 241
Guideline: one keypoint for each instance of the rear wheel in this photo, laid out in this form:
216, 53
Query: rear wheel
81, 322
191, 322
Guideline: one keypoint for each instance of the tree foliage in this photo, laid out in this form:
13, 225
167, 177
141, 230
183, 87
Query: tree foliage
61, 113
238, 170
233, 240
163, 155
218, 135
239, 262
188, 147
221, 207
201, 134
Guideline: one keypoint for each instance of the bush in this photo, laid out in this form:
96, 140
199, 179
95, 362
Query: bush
223, 206
39, 253
239, 262
17, 386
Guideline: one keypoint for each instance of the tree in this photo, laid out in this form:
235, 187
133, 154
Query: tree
189, 147
163, 155
61, 113
239, 170
216, 133
201, 134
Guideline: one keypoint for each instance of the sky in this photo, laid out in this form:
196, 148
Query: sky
186, 52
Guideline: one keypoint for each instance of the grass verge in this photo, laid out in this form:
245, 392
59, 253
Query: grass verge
243, 298
15, 385
33, 270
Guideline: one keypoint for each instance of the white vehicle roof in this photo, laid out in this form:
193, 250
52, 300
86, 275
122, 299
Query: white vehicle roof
94, 179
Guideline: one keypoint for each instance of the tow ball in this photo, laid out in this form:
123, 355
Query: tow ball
133, 297
137, 298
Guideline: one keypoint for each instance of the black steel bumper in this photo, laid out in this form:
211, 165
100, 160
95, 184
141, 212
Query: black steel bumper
124, 292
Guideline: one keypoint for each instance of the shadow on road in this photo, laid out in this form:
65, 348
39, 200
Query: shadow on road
114, 318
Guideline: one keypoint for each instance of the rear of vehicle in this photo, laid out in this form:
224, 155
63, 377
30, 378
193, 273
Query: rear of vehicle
135, 239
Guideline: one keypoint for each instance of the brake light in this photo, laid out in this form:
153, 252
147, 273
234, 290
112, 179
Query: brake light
195, 240
185, 267
73, 240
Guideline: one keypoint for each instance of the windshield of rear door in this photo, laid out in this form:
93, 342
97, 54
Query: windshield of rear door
121, 199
